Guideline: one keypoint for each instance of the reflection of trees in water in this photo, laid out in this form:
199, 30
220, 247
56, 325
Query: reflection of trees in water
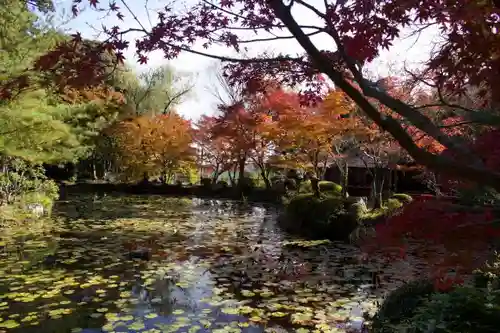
177, 289
228, 244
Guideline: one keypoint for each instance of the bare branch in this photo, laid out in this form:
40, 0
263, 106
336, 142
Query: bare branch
176, 97
270, 39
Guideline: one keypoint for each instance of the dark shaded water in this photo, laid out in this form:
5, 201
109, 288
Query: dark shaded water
214, 267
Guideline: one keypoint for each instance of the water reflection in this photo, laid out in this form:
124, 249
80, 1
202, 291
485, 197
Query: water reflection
216, 266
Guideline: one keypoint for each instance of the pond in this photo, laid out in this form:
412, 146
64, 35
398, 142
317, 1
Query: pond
156, 264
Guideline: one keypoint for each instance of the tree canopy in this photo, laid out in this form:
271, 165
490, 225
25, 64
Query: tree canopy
359, 31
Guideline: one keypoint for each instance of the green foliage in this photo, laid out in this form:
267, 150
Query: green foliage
256, 181
22, 38
374, 216
323, 217
193, 175
417, 308
37, 125
156, 91
36, 130
20, 178
404, 198
38, 198
401, 305
479, 196
326, 186
464, 309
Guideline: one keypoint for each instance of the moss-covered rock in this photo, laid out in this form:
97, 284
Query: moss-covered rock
393, 204
402, 197
329, 187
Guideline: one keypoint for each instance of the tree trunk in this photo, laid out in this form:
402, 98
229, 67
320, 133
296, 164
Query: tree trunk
94, 169
232, 175
315, 186
395, 181
241, 173
377, 187
344, 179
266, 180
389, 186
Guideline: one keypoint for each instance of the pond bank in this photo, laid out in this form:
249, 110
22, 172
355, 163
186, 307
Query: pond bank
215, 267
194, 191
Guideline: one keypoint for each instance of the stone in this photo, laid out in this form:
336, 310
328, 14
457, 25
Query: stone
36, 209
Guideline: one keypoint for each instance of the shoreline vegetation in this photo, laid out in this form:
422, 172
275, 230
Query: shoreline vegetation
329, 216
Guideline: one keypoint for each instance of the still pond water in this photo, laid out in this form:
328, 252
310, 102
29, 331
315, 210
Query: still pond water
214, 267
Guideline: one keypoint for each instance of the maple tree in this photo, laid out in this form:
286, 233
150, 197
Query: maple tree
150, 146
271, 109
251, 136
215, 149
250, 124
358, 29
486, 146
235, 125
315, 134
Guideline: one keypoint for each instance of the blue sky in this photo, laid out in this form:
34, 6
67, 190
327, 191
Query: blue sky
406, 50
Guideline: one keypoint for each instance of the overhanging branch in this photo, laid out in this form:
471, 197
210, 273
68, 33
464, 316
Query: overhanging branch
386, 122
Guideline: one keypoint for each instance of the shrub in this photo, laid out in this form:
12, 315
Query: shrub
22, 177
223, 183
401, 305
24, 184
314, 217
463, 309
326, 186
38, 198
478, 196
206, 182
404, 198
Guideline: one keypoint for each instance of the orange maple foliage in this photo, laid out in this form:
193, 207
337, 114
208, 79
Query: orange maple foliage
312, 134
100, 94
150, 146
